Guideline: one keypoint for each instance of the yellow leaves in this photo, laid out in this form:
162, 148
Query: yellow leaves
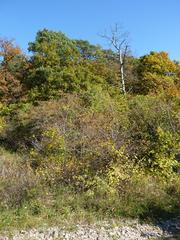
2, 119
48, 157
118, 173
53, 142
8, 50
163, 160
157, 73
2, 124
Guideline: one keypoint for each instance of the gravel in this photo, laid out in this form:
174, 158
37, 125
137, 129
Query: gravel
122, 230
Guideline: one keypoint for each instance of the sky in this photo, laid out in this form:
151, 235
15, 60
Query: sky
153, 25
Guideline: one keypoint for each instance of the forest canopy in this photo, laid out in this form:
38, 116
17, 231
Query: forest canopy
59, 64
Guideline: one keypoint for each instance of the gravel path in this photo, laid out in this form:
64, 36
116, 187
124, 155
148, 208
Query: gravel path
125, 230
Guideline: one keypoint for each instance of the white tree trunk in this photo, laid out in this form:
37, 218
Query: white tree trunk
122, 72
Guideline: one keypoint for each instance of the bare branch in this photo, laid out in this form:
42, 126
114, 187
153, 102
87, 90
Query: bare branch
119, 41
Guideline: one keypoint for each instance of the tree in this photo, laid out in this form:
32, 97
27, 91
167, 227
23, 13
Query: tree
10, 73
59, 64
53, 54
100, 63
88, 51
156, 72
119, 42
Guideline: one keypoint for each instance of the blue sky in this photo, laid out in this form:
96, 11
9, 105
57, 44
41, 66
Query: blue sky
152, 24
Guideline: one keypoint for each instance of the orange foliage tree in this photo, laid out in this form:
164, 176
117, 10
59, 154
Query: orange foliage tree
10, 77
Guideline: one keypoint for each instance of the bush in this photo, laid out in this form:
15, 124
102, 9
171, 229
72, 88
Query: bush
114, 155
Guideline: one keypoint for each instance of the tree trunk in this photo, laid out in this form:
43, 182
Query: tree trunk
121, 62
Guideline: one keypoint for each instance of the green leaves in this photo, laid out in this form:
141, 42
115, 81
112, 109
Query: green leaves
52, 52
57, 65
52, 48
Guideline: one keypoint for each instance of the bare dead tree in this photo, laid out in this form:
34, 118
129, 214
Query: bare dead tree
119, 41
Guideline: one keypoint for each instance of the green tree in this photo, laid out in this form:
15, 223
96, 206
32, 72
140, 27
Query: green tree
53, 54
101, 63
88, 51
59, 64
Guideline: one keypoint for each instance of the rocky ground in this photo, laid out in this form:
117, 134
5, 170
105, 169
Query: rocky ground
122, 230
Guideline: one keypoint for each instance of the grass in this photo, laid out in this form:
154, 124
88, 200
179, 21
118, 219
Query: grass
27, 203
68, 208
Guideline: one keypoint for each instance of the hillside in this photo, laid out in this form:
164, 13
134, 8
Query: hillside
75, 144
